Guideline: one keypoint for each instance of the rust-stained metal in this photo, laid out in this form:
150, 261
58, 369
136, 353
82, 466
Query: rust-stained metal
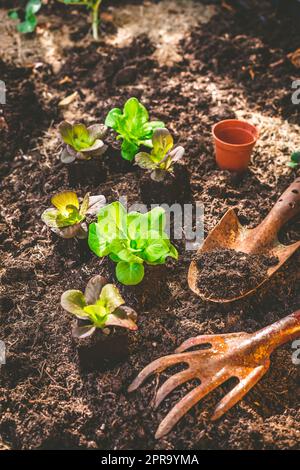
241, 355
229, 233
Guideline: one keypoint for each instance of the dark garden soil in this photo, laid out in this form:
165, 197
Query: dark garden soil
229, 273
235, 65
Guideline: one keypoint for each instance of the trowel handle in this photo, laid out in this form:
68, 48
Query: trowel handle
287, 206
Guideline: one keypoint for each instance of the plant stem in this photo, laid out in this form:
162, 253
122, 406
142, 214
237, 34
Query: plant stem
95, 20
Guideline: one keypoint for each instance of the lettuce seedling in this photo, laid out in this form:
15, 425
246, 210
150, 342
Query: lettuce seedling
130, 239
133, 127
295, 160
67, 219
162, 156
30, 20
100, 306
94, 7
81, 142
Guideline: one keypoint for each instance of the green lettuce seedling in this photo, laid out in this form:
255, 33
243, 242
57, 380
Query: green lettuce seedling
81, 142
133, 127
295, 160
94, 7
68, 216
30, 20
130, 240
100, 306
162, 157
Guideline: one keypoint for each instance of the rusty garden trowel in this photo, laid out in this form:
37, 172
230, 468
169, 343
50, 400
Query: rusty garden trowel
263, 239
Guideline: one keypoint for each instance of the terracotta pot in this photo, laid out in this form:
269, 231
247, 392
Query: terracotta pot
234, 141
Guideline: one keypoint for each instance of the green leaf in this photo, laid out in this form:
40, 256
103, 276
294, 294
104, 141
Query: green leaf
49, 217
83, 331
295, 157
124, 317
129, 274
64, 200
97, 131
66, 132
112, 118
129, 150
144, 160
97, 314
157, 250
97, 243
73, 301
32, 7
93, 289
112, 221
84, 206
156, 219
13, 15
127, 255
27, 26
111, 298
135, 111
81, 137
136, 227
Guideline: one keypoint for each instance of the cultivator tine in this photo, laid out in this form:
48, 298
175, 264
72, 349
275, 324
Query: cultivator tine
171, 384
239, 391
188, 401
213, 340
157, 366
191, 342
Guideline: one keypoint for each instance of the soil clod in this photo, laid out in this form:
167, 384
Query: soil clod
228, 273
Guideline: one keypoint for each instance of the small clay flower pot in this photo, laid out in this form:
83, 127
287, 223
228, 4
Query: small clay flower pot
234, 141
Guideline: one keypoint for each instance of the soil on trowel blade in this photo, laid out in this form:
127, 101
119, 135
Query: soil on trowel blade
225, 274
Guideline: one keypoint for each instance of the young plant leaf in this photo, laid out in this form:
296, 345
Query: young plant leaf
73, 301
93, 289
130, 240
130, 274
67, 219
30, 20
101, 305
295, 160
162, 157
93, 6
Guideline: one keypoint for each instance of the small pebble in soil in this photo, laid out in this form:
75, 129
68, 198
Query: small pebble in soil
227, 273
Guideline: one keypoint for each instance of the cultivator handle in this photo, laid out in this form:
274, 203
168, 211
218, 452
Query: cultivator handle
265, 234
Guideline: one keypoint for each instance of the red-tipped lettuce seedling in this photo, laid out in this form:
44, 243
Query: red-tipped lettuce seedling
67, 217
130, 240
162, 157
100, 306
132, 126
81, 142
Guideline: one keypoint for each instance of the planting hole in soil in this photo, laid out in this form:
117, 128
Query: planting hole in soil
106, 120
